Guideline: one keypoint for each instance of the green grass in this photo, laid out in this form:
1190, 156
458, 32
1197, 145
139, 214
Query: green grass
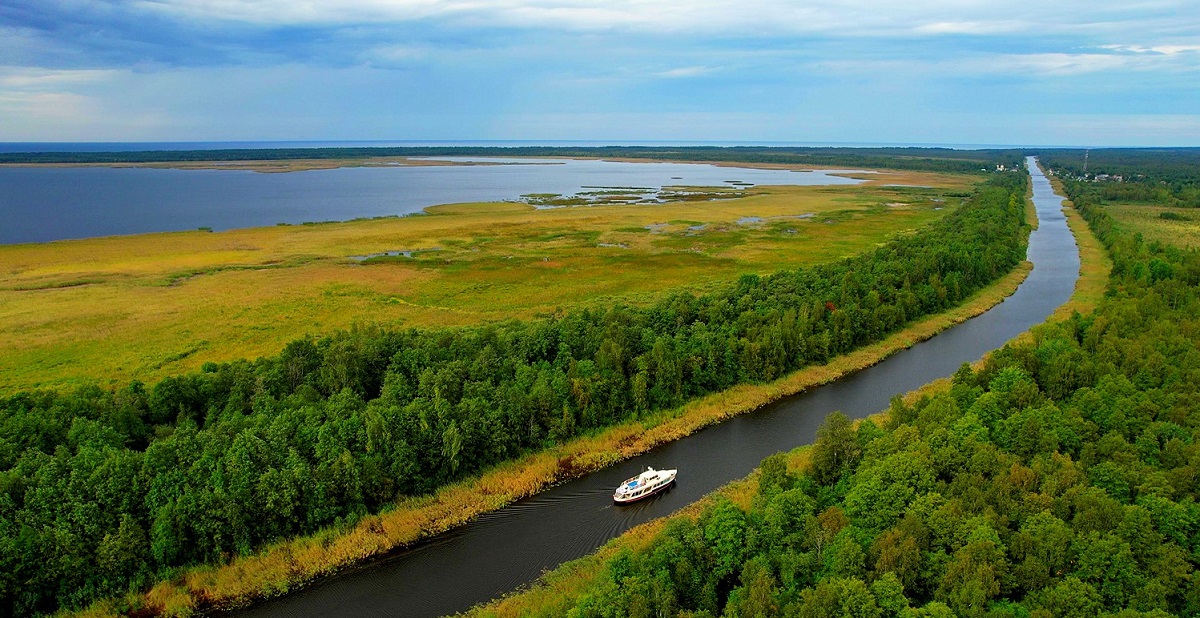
1181, 227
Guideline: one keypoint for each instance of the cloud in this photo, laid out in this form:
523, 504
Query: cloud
37, 79
1166, 50
748, 18
66, 116
1018, 65
684, 72
1065, 64
444, 69
1004, 26
44, 106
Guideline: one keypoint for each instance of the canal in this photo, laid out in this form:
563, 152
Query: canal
511, 547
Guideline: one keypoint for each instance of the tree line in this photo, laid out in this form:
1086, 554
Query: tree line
1164, 176
1058, 480
103, 490
929, 159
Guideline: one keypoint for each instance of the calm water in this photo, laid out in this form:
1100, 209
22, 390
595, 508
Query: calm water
42, 204
513, 546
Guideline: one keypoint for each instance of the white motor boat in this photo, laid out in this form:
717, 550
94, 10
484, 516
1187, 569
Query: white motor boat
644, 485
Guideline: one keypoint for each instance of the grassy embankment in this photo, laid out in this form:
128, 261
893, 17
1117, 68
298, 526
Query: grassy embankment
284, 566
148, 306
555, 592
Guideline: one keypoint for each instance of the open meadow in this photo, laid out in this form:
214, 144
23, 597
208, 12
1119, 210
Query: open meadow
144, 307
1165, 224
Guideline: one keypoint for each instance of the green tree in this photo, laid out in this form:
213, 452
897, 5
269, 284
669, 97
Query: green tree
835, 450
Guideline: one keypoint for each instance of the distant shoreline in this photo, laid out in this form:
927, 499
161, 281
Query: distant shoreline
293, 158
44, 147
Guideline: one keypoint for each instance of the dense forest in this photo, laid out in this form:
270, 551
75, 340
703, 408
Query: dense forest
931, 159
1163, 176
1057, 480
104, 490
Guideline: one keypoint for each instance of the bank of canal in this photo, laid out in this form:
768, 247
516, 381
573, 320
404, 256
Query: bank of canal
514, 545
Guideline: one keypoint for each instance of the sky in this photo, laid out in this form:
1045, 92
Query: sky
1054, 72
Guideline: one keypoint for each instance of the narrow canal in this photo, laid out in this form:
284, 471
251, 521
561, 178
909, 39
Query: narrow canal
513, 546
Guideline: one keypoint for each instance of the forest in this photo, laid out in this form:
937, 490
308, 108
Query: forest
1058, 479
107, 490
1161, 176
929, 159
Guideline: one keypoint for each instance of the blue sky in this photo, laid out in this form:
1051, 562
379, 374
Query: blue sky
1067, 72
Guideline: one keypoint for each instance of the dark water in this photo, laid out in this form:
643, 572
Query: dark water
513, 546
46, 203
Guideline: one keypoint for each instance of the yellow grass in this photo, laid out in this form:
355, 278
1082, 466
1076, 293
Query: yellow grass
144, 307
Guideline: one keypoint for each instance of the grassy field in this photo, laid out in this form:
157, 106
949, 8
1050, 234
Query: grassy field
1147, 219
143, 307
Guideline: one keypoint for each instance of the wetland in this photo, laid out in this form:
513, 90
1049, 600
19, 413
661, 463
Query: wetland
54, 202
152, 305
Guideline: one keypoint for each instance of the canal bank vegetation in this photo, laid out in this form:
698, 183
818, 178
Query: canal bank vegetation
286, 566
1095, 265
144, 307
1055, 479
105, 491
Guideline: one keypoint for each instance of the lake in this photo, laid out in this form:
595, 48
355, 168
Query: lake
39, 204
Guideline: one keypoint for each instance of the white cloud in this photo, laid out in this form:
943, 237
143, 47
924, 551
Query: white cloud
1063, 64
1019, 65
576, 69
972, 27
745, 18
683, 72
1166, 50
